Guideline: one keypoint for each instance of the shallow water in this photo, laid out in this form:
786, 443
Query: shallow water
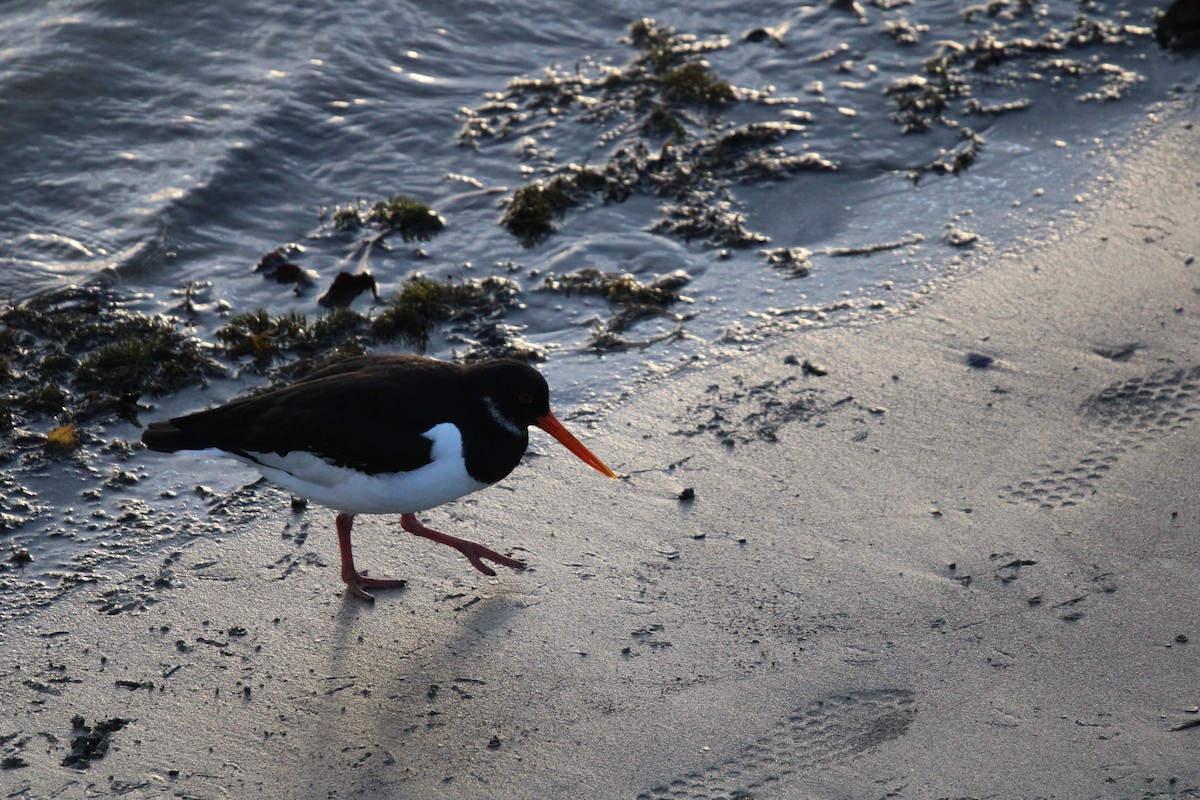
149, 146
162, 146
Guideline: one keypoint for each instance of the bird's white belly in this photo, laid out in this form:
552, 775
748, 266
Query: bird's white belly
444, 479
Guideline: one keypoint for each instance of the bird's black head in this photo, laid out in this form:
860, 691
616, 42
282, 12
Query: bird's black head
512, 390
516, 396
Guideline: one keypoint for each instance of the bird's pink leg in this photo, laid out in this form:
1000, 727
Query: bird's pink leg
355, 581
472, 550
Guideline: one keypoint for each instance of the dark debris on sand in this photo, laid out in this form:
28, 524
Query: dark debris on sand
742, 412
90, 743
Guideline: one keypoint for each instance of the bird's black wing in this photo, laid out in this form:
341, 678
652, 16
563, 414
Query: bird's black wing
368, 415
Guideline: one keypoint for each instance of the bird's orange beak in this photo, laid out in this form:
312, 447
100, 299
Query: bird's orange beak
550, 424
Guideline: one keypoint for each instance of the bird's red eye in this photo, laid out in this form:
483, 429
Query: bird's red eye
525, 398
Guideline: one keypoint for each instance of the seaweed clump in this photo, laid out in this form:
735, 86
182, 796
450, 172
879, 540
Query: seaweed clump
532, 209
953, 161
408, 315
922, 100
637, 301
422, 303
795, 261
663, 134
346, 287
280, 266
265, 338
619, 288
412, 219
90, 742
669, 62
695, 83
662, 122
76, 355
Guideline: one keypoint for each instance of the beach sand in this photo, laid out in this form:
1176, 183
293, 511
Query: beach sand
963, 563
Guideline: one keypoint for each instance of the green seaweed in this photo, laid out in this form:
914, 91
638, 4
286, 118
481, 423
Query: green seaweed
695, 83
76, 354
10, 342
660, 48
532, 209
57, 362
337, 324
663, 122
667, 92
671, 60
49, 398
134, 365
412, 219
414, 310
409, 315
348, 218
265, 338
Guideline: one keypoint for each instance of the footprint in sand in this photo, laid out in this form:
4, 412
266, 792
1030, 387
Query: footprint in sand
825, 731
1127, 415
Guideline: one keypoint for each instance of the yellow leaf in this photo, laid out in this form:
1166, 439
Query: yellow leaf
65, 437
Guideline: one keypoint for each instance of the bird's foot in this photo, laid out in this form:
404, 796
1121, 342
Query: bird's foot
474, 551
355, 581
357, 584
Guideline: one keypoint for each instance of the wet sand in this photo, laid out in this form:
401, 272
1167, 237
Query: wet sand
962, 563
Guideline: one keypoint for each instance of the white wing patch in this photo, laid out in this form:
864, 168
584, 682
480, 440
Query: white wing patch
444, 479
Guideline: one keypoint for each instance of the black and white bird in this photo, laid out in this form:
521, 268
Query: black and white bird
383, 434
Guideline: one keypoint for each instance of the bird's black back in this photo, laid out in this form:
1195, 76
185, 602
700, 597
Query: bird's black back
366, 413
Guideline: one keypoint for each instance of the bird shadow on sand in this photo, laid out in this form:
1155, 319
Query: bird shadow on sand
477, 615
398, 686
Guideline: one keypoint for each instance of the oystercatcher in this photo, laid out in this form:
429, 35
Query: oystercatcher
383, 434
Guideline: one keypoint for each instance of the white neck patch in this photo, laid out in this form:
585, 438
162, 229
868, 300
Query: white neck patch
501, 420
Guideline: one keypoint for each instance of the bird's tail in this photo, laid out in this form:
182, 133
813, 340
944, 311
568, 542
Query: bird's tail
163, 436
